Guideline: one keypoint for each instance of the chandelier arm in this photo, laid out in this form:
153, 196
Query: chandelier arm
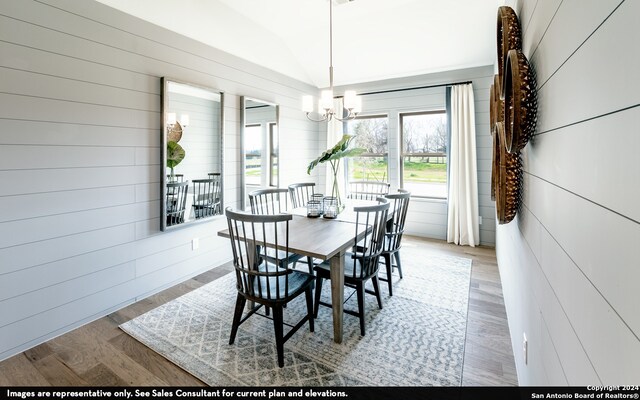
327, 117
348, 117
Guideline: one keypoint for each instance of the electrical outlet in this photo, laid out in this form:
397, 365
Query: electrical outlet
195, 243
525, 348
480, 220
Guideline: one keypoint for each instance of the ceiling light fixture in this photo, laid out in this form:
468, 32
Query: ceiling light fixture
352, 102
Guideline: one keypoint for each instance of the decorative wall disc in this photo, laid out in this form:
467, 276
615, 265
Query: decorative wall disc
496, 114
492, 124
520, 101
509, 180
174, 132
495, 161
509, 37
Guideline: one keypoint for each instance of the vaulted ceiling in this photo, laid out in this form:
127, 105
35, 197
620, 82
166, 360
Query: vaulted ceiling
372, 39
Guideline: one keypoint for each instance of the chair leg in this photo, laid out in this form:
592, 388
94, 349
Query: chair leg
318, 292
240, 303
310, 262
376, 289
309, 295
279, 327
387, 264
360, 294
397, 255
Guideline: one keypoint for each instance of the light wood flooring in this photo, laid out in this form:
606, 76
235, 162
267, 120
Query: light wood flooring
100, 354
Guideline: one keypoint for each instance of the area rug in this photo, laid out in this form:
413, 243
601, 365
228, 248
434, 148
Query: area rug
417, 339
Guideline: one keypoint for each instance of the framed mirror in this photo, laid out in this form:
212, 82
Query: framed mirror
192, 153
259, 152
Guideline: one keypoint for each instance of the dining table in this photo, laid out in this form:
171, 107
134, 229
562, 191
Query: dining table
324, 239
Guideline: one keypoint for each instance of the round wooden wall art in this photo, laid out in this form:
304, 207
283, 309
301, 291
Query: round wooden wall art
492, 123
508, 181
174, 132
496, 114
520, 101
508, 37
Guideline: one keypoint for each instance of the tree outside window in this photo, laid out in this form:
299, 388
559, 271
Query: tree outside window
372, 134
424, 153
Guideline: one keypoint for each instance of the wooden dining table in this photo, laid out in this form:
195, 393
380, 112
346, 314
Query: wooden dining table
324, 239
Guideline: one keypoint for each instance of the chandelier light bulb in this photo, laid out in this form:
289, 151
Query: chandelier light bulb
349, 99
307, 104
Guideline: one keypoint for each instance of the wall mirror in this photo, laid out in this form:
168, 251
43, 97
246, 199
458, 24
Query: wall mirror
192, 153
259, 156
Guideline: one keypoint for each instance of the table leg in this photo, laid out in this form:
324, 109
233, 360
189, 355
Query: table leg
337, 294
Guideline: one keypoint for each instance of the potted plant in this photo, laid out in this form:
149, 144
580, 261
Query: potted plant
333, 156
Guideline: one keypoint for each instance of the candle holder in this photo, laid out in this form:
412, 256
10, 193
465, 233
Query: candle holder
313, 208
319, 198
331, 207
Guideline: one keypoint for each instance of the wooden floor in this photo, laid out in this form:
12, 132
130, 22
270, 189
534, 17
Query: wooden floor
100, 354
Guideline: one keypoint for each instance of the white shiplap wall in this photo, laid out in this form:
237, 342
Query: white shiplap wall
79, 161
428, 217
569, 263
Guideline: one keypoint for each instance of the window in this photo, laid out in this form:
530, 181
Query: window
372, 133
423, 160
253, 154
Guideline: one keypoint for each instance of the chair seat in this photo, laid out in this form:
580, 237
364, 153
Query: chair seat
298, 282
282, 256
324, 268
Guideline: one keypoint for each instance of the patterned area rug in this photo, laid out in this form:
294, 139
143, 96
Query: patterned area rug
417, 339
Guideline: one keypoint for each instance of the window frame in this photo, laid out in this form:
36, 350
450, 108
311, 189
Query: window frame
272, 137
402, 154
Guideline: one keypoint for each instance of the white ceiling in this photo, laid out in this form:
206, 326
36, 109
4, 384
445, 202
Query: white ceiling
372, 39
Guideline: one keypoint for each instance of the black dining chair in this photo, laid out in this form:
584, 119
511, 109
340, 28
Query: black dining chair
206, 197
393, 235
262, 281
361, 264
270, 202
175, 202
175, 178
367, 190
301, 193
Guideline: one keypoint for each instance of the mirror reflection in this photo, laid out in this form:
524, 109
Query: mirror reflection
192, 153
259, 145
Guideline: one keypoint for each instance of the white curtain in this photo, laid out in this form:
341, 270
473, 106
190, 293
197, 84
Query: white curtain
335, 131
462, 216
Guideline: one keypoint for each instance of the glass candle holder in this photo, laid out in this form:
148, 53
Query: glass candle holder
319, 198
330, 207
313, 208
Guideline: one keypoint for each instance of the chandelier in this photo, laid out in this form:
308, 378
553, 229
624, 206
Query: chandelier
351, 102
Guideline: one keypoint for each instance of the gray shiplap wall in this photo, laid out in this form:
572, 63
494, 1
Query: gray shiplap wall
428, 217
79, 165
569, 263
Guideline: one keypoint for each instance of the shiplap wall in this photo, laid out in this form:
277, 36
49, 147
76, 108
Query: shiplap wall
569, 261
79, 161
428, 217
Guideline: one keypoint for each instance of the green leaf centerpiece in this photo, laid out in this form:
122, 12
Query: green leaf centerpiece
333, 156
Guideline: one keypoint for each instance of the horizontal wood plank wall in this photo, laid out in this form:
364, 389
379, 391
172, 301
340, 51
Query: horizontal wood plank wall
80, 170
569, 262
428, 217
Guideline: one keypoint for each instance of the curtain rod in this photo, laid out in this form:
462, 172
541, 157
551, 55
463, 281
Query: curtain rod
411, 88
